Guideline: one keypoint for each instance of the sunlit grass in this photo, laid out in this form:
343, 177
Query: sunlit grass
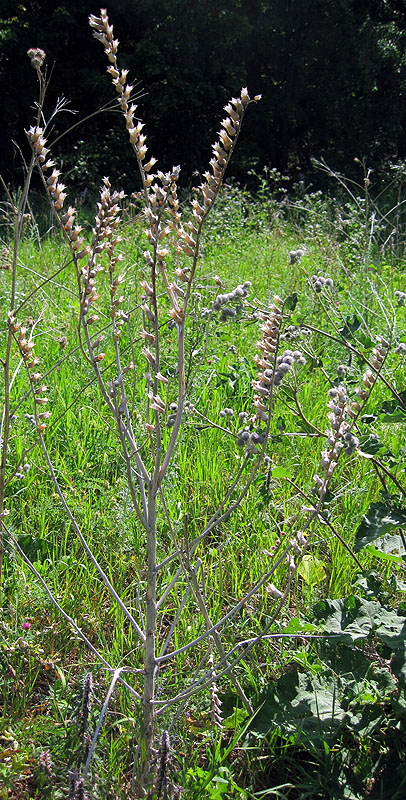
47, 660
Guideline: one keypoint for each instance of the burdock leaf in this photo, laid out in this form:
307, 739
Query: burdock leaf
378, 520
388, 548
351, 325
369, 445
349, 619
291, 301
393, 410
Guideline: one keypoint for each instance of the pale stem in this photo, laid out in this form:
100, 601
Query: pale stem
86, 546
230, 614
63, 613
150, 661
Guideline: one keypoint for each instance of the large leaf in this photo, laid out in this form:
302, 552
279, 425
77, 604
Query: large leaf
302, 705
393, 410
388, 548
351, 325
349, 619
311, 569
291, 301
391, 629
369, 445
378, 520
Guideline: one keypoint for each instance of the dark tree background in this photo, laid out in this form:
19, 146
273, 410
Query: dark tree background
332, 76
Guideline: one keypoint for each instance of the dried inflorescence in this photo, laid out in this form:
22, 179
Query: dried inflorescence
226, 412
294, 332
339, 408
165, 226
379, 354
285, 362
273, 367
342, 370
401, 348
46, 764
36, 136
249, 439
76, 789
163, 765
320, 282
56, 191
36, 56
215, 702
295, 255
268, 346
339, 436
86, 701
236, 295
103, 31
160, 195
104, 240
55, 188
26, 347
343, 414
222, 150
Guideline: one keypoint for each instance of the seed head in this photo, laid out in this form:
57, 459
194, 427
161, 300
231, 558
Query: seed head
36, 56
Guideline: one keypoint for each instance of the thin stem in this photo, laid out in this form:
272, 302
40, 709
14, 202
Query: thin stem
62, 612
86, 546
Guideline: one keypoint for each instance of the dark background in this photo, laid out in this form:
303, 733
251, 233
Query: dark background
332, 74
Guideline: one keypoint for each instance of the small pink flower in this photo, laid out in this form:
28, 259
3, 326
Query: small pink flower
26, 626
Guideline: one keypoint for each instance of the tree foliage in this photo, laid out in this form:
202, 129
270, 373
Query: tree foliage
332, 76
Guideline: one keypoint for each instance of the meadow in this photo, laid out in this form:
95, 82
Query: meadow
202, 587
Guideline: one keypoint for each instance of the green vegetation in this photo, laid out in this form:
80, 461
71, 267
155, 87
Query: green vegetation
247, 519
322, 737
332, 76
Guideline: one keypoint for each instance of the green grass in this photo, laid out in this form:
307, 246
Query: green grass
41, 669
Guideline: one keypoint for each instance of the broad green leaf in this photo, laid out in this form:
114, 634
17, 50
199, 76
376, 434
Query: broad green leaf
378, 520
349, 619
235, 719
369, 445
351, 325
392, 410
388, 548
306, 706
311, 570
299, 625
391, 629
291, 301
397, 415
281, 472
